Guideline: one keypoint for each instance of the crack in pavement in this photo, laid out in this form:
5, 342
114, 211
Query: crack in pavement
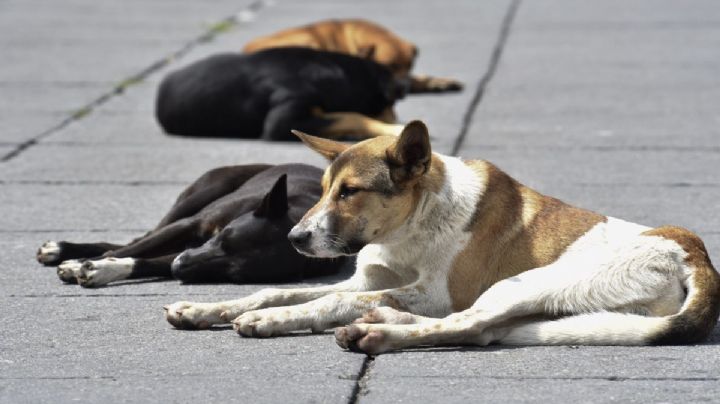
361, 385
489, 74
214, 31
360, 388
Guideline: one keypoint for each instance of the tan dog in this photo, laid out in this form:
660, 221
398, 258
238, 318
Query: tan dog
359, 38
457, 252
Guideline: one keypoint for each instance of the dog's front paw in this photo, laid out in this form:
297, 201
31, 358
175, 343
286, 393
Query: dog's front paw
361, 338
191, 316
49, 253
264, 323
101, 272
68, 270
254, 324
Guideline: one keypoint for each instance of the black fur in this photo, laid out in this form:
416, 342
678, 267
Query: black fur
265, 94
230, 225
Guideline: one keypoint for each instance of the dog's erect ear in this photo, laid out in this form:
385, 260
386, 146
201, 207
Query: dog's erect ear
275, 202
366, 52
329, 149
410, 156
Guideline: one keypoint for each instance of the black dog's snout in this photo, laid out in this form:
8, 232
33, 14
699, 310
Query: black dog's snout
299, 238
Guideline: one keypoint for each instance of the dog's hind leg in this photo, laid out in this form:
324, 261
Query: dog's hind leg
430, 84
52, 253
173, 238
353, 124
644, 276
211, 186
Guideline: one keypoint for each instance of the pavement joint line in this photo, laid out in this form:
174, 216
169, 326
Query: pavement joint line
37, 231
612, 148
211, 33
487, 76
606, 378
93, 182
361, 381
174, 183
133, 295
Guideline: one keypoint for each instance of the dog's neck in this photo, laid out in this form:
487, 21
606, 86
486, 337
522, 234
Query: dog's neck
446, 204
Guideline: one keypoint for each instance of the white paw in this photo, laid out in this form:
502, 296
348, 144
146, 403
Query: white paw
48, 252
264, 323
362, 338
192, 316
69, 270
103, 271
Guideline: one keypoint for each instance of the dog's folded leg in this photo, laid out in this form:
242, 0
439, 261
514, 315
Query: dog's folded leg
190, 315
353, 124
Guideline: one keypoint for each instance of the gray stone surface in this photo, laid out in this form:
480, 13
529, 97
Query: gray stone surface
609, 105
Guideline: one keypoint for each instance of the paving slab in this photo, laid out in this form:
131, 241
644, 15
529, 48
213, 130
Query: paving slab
85, 206
179, 160
605, 73
113, 343
120, 348
442, 53
608, 105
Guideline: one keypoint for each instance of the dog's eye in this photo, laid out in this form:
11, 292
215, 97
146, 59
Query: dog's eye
346, 191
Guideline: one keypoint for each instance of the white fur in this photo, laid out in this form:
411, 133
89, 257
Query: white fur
69, 270
103, 271
613, 283
48, 252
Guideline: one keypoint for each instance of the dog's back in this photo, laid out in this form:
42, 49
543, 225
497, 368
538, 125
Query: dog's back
232, 94
355, 37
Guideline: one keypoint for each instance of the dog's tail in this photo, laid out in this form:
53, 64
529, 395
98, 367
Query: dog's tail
693, 323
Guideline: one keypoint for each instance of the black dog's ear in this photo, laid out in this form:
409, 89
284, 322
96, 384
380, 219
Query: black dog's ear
409, 157
329, 149
275, 202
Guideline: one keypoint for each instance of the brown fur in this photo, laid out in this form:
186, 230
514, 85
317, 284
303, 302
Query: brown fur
701, 314
383, 202
355, 37
353, 123
515, 229
363, 39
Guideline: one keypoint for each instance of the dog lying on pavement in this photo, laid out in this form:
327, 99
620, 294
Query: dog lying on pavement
363, 39
457, 252
268, 93
230, 225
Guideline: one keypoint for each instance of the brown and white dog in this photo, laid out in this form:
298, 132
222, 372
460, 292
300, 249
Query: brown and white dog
457, 252
359, 38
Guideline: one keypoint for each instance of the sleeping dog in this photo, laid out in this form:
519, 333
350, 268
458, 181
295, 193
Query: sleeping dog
268, 93
359, 38
230, 225
457, 252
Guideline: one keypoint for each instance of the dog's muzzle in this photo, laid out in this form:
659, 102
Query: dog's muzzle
300, 239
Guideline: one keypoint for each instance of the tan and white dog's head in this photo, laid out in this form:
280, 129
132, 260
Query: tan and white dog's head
369, 190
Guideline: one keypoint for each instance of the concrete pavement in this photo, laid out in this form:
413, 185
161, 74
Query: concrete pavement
610, 105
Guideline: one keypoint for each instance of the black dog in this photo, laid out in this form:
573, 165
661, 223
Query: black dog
265, 94
230, 225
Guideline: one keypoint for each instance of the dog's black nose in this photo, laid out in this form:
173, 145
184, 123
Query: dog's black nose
299, 238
